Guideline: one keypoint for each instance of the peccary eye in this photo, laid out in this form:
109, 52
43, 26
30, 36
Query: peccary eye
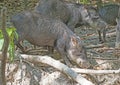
77, 53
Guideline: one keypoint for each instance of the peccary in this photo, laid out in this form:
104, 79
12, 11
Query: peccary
40, 30
101, 28
70, 13
79, 15
53, 8
100, 24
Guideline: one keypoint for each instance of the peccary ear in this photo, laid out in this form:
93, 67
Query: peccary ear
74, 41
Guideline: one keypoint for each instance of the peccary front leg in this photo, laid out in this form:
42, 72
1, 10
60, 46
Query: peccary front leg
60, 47
50, 49
104, 34
100, 37
72, 23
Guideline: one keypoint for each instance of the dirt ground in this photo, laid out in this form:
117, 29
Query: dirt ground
22, 72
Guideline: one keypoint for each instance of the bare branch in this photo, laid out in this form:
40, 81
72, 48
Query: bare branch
88, 71
94, 46
61, 67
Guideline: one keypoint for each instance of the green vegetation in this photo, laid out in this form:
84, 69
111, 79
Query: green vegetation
84, 1
12, 34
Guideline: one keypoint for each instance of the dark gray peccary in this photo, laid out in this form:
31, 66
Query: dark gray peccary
69, 13
79, 15
55, 9
109, 13
43, 31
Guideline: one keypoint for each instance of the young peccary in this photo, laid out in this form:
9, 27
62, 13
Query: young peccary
43, 31
101, 26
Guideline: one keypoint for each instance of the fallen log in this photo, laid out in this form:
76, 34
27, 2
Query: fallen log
78, 70
61, 67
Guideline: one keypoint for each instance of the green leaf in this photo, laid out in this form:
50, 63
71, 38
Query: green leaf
12, 34
12, 51
84, 1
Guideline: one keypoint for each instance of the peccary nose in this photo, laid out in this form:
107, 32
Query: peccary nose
85, 65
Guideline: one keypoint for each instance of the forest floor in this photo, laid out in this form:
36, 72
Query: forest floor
102, 57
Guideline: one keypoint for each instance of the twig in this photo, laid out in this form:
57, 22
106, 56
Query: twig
107, 62
88, 71
94, 46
